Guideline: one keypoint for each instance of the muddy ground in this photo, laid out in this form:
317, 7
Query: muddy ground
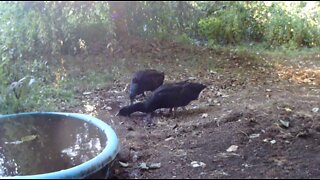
266, 108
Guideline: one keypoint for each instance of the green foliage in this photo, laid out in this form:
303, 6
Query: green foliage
163, 19
33, 31
233, 23
34, 28
276, 24
290, 29
183, 38
34, 89
225, 26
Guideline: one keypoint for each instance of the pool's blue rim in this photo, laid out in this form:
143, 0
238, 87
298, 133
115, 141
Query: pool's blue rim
85, 169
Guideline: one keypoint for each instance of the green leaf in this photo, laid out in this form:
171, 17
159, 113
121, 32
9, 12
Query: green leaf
29, 138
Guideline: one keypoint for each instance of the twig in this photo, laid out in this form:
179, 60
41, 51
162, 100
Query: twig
244, 133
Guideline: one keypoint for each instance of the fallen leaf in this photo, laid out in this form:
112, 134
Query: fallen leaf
32, 80
29, 138
288, 109
123, 164
232, 148
284, 123
168, 139
225, 155
254, 136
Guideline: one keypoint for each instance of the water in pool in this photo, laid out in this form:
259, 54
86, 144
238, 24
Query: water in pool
38, 144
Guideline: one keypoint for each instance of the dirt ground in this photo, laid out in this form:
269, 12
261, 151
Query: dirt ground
254, 120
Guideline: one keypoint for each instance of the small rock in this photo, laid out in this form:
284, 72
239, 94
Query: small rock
266, 140
155, 165
87, 93
273, 141
254, 136
108, 108
204, 115
250, 107
232, 148
212, 72
180, 153
196, 164
219, 93
268, 90
219, 173
247, 165
116, 92
315, 110
143, 166
225, 96
89, 107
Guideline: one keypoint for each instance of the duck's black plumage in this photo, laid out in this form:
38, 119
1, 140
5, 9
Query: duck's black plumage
166, 96
145, 80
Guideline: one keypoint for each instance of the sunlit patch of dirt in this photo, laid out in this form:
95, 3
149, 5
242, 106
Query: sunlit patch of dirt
299, 75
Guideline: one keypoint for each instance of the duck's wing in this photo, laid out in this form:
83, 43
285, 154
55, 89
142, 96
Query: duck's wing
164, 97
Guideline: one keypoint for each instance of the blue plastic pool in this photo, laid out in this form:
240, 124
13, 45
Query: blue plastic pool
99, 162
